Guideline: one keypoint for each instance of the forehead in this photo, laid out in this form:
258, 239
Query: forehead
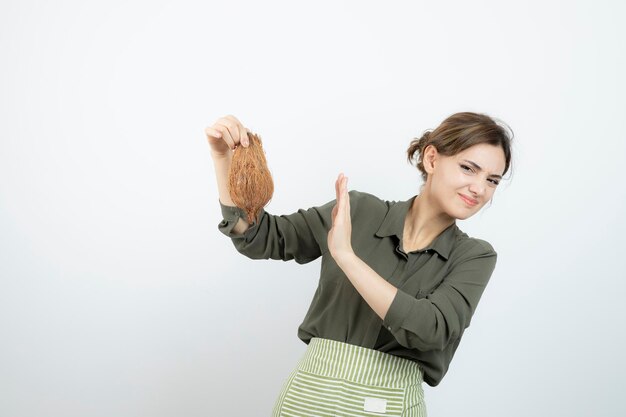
490, 158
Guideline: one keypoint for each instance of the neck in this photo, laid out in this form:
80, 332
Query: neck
424, 220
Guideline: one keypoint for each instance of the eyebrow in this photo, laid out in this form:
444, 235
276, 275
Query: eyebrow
475, 165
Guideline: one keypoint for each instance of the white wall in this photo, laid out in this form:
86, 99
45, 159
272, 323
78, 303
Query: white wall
119, 296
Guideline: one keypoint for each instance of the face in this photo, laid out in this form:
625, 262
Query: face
463, 183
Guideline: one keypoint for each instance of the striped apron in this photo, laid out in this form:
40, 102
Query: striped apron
339, 379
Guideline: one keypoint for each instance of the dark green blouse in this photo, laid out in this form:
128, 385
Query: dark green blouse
438, 287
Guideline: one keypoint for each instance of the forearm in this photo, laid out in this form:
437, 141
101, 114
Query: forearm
222, 166
374, 289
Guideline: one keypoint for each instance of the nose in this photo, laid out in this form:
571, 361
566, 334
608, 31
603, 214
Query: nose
477, 189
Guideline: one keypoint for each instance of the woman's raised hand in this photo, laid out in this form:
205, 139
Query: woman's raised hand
226, 134
340, 235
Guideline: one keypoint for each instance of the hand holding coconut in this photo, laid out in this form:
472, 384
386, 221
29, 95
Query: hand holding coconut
226, 134
248, 180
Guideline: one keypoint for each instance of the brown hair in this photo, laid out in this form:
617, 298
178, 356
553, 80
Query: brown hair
459, 132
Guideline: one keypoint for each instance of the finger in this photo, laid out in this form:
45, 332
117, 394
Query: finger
232, 128
225, 135
248, 133
243, 135
235, 124
209, 131
342, 192
233, 119
345, 204
338, 188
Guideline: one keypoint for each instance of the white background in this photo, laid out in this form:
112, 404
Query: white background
120, 297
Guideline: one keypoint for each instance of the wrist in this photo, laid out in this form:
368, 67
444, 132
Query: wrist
221, 156
344, 257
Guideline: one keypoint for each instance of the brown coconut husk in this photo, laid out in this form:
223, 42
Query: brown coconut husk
249, 180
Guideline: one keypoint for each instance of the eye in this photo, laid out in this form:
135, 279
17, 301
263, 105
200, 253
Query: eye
465, 167
495, 182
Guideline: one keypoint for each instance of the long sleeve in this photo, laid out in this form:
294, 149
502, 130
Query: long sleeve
300, 236
442, 316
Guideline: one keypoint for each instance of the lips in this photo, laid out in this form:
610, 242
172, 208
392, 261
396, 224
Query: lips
468, 200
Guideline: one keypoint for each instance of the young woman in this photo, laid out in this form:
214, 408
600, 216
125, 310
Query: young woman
399, 281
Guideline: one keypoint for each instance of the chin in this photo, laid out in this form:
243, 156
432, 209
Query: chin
463, 217
464, 214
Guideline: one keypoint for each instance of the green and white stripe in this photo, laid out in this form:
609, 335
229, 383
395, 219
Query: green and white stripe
339, 379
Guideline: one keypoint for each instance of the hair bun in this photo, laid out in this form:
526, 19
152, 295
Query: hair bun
424, 140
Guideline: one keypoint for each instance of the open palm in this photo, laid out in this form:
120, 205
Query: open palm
340, 234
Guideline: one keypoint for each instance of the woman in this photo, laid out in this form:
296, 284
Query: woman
399, 281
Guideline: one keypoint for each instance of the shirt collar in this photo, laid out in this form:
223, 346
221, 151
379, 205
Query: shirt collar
393, 224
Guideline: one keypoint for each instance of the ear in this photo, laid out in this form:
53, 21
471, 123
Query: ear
430, 158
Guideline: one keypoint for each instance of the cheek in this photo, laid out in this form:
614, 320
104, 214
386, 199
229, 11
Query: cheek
450, 175
457, 179
449, 186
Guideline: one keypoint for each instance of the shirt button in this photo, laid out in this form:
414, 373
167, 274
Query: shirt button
389, 328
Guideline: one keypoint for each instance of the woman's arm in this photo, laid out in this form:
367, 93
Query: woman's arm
421, 323
224, 136
300, 236
374, 289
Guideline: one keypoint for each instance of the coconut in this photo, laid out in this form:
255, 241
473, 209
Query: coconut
249, 180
